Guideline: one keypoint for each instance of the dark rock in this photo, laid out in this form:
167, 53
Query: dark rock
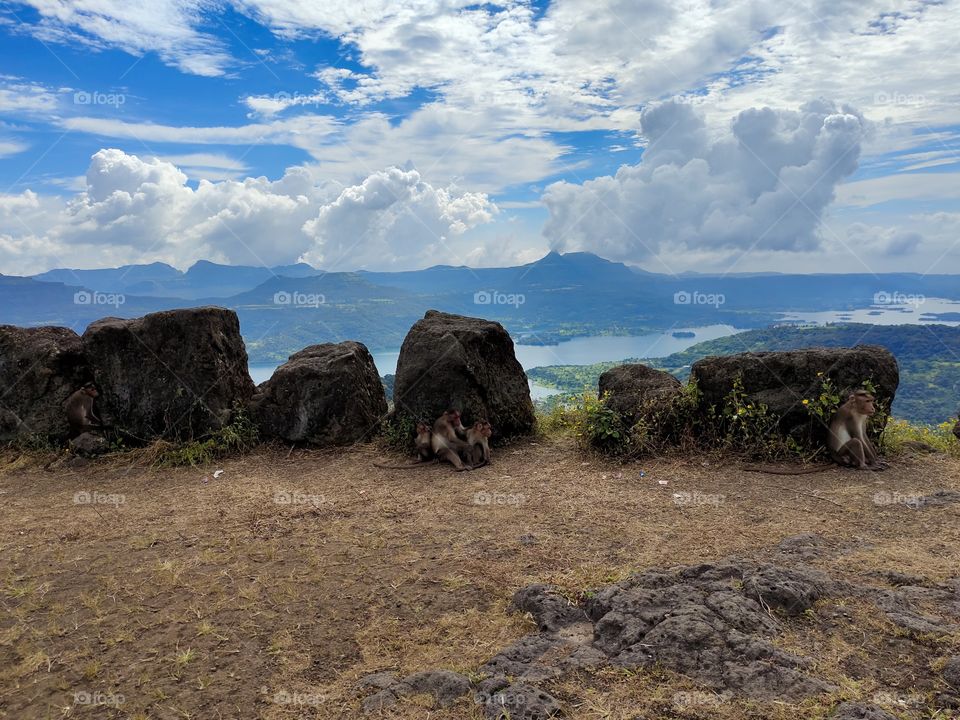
791, 590
177, 374
378, 701
39, 369
528, 539
327, 394
951, 673
468, 363
445, 685
636, 391
522, 658
381, 680
522, 702
781, 381
860, 711
89, 444
550, 610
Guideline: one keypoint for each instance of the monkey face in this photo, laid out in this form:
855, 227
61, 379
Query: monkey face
865, 403
91, 391
483, 427
422, 428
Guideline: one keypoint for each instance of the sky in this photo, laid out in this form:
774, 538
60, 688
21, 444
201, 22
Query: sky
674, 135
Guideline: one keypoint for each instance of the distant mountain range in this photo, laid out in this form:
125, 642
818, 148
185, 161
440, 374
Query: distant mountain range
285, 308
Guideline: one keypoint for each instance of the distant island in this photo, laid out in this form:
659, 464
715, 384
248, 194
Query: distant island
683, 334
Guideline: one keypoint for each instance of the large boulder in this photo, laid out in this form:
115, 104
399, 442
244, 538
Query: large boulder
467, 363
176, 374
782, 380
327, 394
636, 391
39, 369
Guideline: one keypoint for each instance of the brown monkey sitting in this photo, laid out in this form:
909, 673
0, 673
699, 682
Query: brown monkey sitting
848, 441
79, 409
449, 439
478, 439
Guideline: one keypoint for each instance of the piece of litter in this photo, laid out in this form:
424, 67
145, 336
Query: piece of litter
217, 473
662, 482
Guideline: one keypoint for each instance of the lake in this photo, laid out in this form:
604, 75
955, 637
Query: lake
577, 351
901, 314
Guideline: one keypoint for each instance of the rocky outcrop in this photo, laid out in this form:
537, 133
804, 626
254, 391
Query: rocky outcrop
782, 380
637, 391
715, 624
176, 374
327, 394
39, 369
463, 362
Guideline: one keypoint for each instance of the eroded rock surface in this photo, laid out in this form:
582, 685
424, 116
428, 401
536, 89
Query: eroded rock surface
713, 623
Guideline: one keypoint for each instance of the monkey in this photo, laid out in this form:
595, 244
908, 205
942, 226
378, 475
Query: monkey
848, 442
424, 448
79, 409
478, 438
956, 427
449, 439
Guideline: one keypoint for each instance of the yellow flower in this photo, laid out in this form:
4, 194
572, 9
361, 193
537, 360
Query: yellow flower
806, 402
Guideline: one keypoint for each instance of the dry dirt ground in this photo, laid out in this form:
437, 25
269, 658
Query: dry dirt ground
269, 589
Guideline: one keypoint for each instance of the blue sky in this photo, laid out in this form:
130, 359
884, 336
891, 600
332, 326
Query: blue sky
671, 135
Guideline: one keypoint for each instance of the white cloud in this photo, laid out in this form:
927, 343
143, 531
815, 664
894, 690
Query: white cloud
11, 147
871, 240
18, 97
902, 186
141, 210
166, 27
764, 185
393, 220
208, 166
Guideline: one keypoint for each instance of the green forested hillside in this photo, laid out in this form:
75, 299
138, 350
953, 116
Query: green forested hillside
929, 357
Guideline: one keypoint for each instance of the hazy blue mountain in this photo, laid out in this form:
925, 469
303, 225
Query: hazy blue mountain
112, 279
202, 279
553, 298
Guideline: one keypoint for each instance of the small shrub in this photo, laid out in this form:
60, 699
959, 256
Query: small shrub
600, 427
560, 416
239, 436
399, 432
940, 437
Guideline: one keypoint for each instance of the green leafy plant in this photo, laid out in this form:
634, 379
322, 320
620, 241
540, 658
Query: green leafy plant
600, 427
241, 435
399, 431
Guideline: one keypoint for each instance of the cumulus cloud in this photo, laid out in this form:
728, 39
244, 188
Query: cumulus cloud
395, 220
764, 184
136, 209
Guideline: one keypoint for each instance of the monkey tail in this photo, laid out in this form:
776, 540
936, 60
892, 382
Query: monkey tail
401, 466
773, 470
